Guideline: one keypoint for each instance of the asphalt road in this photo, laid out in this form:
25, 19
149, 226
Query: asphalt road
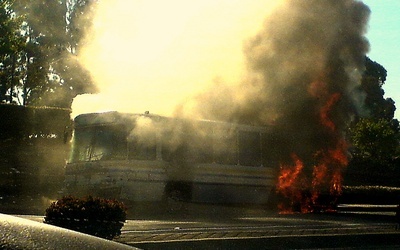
234, 228
270, 231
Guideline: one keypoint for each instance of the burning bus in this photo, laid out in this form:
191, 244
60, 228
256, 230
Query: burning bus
150, 158
306, 82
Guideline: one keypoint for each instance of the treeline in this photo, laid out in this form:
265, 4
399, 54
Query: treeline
34, 146
374, 136
39, 44
29, 123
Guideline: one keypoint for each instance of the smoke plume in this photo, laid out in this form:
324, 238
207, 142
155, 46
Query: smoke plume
156, 55
303, 72
299, 73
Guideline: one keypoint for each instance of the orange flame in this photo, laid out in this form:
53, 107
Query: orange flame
324, 113
340, 160
289, 175
305, 192
320, 172
290, 185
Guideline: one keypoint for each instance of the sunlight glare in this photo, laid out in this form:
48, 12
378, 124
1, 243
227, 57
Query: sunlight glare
153, 54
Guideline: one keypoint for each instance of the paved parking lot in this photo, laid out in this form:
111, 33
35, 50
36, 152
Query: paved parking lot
272, 225
232, 228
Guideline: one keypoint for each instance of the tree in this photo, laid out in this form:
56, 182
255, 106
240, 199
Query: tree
373, 79
375, 136
375, 139
12, 43
50, 73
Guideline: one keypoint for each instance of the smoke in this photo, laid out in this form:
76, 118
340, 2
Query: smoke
144, 131
303, 74
303, 77
308, 59
295, 65
156, 55
196, 60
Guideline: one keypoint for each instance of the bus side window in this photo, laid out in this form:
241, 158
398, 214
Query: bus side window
142, 149
200, 147
249, 148
118, 144
225, 147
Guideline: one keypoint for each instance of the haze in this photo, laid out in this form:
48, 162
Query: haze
153, 55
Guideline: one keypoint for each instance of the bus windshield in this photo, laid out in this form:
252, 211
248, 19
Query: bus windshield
99, 143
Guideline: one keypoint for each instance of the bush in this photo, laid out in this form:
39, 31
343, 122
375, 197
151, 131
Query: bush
370, 195
99, 217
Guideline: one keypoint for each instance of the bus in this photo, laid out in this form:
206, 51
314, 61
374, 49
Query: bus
151, 158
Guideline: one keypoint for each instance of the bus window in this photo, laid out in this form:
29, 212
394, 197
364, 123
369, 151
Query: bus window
187, 143
99, 143
142, 149
200, 148
249, 148
82, 144
266, 141
225, 147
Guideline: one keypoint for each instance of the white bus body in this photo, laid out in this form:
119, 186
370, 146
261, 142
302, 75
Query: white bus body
142, 157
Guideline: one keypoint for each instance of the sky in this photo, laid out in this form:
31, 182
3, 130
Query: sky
384, 38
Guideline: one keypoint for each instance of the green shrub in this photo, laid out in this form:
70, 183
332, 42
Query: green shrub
99, 217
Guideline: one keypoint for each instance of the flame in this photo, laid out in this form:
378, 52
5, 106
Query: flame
320, 172
289, 175
290, 184
324, 113
339, 161
319, 191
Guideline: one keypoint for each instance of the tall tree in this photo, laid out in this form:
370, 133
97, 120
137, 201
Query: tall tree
376, 140
51, 73
375, 136
12, 43
373, 79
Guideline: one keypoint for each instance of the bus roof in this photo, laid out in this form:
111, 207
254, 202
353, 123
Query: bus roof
114, 117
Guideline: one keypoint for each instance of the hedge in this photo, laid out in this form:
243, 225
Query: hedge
96, 216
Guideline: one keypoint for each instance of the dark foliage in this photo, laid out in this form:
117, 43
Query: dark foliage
29, 122
34, 143
364, 171
374, 135
375, 102
99, 217
38, 51
370, 195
